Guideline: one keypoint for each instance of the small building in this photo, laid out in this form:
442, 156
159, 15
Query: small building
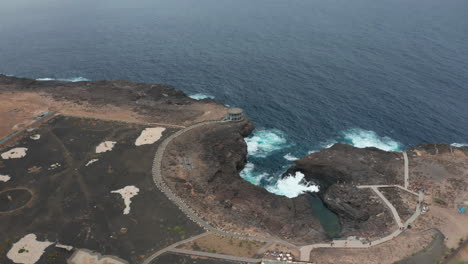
235, 114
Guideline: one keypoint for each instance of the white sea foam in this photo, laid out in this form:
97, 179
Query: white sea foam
264, 142
200, 96
73, 79
290, 157
328, 144
249, 175
361, 138
292, 186
458, 145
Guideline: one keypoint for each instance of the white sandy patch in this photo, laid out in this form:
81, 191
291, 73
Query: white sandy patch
91, 162
35, 137
15, 153
54, 166
4, 178
105, 146
149, 135
127, 193
84, 256
68, 248
27, 250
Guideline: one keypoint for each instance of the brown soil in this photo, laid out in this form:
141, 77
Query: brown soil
451, 223
23, 99
224, 245
404, 202
442, 170
460, 257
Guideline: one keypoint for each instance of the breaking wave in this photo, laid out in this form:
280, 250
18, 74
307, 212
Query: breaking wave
361, 138
292, 186
249, 175
73, 79
264, 142
200, 96
290, 157
458, 145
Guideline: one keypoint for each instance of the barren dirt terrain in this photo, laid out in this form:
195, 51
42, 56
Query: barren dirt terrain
72, 200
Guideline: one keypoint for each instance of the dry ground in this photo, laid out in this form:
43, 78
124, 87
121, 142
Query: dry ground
402, 246
224, 245
461, 257
451, 223
18, 109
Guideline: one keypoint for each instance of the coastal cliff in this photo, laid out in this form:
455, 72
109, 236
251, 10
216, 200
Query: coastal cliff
441, 170
215, 190
213, 186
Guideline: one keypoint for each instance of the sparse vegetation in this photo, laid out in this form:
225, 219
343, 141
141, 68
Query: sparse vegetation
177, 229
438, 201
196, 247
8, 243
224, 245
53, 255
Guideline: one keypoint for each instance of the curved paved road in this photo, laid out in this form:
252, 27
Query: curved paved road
159, 181
304, 250
214, 255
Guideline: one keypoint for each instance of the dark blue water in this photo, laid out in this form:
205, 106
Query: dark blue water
390, 73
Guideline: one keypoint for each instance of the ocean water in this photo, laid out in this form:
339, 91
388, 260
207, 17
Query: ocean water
309, 73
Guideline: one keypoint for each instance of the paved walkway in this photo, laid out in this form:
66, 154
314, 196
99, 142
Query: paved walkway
169, 248
392, 208
214, 255
354, 243
31, 124
405, 157
387, 186
304, 250
159, 181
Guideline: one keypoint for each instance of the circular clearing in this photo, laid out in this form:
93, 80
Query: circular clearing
11, 200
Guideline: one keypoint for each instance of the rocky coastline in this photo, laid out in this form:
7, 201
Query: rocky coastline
214, 188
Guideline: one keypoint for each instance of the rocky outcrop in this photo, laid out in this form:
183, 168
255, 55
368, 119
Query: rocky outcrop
216, 191
436, 168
